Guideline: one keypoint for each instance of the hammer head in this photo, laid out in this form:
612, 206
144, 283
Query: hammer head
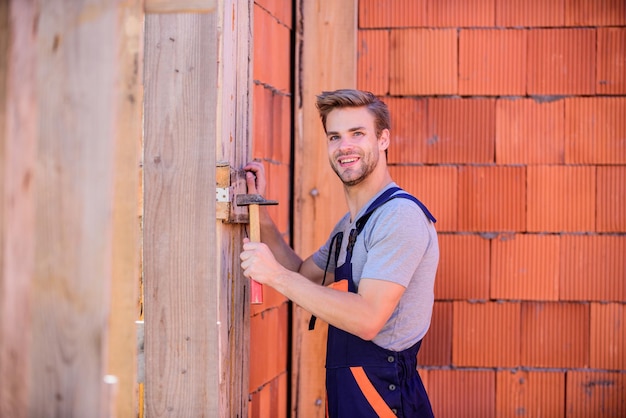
253, 199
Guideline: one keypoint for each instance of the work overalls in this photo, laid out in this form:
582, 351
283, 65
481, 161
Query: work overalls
363, 379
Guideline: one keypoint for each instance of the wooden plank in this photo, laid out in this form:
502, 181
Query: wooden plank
233, 145
77, 76
18, 136
122, 353
181, 322
180, 6
319, 200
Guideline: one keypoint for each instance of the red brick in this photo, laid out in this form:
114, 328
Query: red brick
611, 68
595, 13
392, 13
278, 188
610, 198
461, 393
492, 198
561, 198
268, 346
595, 394
486, 334
435, 72
408, 130
608, 336
272, 39
463, 271
271, 125
530, 132
529, 13
492, 62
593, 268
555, 334
561, 61
282, 10
461, 13
595, 129
530, 394
525, 267
461, 130
435, 186
271, 299
270, 400
372, 62
436, 349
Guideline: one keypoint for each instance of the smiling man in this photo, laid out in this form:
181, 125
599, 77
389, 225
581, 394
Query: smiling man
373, 280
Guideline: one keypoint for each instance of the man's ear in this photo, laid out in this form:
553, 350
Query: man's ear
383, 140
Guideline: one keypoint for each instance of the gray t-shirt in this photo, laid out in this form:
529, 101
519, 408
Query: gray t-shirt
398, 244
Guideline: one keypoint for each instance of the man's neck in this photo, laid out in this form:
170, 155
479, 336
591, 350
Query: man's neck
357, 196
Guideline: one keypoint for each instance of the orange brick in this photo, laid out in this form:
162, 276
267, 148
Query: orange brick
593, 268
561, 61
525, 267
608, 336
271, 39
435, 186
492, 198
492, 62
278, 188
530, 132
436, 349
268, 342
270, 400
271, 299
529, 13
435, 72
372, 62
486, 334
463, 271
282, 10
595, 394
611, 68
392, 13
461, 393
595, 129
561, 198
271, 137
595, 13
460, 13
530, 394
408, 130
555, 334
610, 198
461, 130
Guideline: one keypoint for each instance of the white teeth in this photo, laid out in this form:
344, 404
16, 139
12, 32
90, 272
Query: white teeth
347, 160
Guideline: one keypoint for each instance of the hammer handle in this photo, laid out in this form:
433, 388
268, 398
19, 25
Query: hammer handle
256, 289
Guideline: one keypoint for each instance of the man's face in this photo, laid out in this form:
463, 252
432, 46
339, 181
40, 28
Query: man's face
353, 149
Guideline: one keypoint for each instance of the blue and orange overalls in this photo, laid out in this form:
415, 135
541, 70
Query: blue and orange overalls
363, 379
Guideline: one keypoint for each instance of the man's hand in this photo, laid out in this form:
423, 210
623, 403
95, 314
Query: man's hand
255, 177
258, 262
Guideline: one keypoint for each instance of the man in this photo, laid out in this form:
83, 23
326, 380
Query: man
381, 259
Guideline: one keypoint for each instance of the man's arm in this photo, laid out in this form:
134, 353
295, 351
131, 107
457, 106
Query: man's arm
271, 236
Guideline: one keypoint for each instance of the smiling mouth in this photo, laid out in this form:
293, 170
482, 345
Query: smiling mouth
348, 161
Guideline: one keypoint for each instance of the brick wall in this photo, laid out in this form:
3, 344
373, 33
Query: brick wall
509, 122
272, 125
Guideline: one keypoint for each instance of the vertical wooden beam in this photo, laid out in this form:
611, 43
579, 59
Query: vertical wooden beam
319, 200
234, 146
181, 316
77, 76
18, 138
122, 350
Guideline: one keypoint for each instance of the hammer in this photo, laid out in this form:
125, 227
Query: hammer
253, 201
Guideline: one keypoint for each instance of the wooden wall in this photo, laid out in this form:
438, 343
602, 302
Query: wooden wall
71, 105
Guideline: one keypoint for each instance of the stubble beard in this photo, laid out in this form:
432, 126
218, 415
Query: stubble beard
352, 177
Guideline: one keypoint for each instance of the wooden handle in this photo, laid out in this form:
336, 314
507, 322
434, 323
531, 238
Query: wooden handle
256, 289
